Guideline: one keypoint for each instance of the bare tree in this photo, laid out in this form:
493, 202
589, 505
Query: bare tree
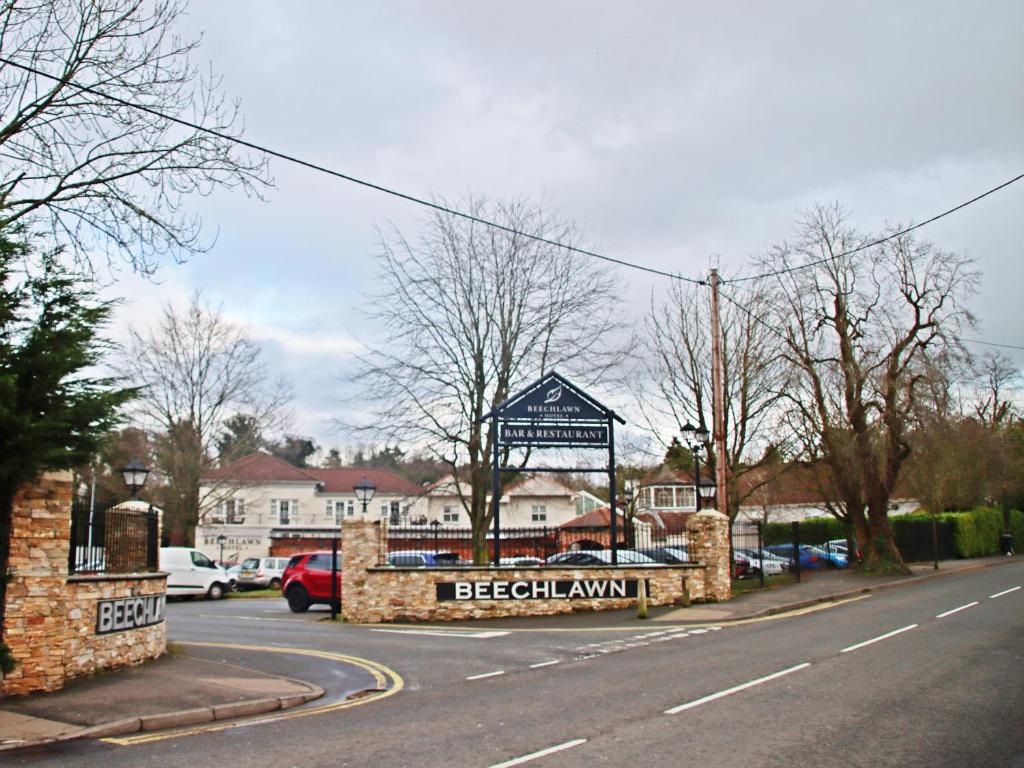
77, 156
469, 314
998, 382
199, 371
861, 330
675, 387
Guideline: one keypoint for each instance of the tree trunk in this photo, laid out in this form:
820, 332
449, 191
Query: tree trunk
880, 552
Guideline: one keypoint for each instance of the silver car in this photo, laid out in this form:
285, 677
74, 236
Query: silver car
261, 573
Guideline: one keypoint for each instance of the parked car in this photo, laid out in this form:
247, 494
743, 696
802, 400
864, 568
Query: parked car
740, 567
773, 565
423, 559
668, 555
810, 557
190, 572
841, 546
522, 561
307, 581
599, 557
832, 557
261, 573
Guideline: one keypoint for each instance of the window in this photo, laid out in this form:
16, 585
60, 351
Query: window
199, 560
321, 562
663, 497
395, 512
385, 508
539, 513
351, 509
336, 510
686, 497
450, 515
234, 511
285, 510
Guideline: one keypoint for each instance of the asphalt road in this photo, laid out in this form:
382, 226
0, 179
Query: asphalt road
901, 678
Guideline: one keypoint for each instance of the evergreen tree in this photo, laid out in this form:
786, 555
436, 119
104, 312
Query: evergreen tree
53, 413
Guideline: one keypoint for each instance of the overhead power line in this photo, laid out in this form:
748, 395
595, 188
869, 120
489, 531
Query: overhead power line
808, 265
346, 177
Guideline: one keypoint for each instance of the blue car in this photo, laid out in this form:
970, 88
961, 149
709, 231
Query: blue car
811, 558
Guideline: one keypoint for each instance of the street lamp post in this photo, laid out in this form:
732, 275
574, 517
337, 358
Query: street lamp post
364, 491
694, 438
628, 497
221, 540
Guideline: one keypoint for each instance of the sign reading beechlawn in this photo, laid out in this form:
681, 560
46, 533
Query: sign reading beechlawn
126, 613
569, 589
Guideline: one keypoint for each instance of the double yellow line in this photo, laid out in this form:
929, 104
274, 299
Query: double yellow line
388, 682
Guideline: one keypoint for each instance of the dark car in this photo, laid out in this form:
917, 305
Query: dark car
307, 581
668, 555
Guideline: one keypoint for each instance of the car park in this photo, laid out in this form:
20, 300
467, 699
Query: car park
261, 573
599, 557
423, 559
667, 555
192, 573
307, 581
811, 558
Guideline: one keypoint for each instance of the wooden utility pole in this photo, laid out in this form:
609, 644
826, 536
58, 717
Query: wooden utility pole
718, 397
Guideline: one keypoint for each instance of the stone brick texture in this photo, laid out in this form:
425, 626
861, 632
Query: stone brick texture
375, 594
50, 620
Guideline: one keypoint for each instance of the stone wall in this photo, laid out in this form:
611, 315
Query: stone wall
86, 652
50, 620
371, 593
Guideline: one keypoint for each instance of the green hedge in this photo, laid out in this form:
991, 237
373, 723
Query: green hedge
973, 533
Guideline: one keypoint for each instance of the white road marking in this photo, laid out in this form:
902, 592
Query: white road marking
1004, 592
698, 631
544, 664
956, 610
444, 633
886, 636
244, 618
486, 674
735, 689
541, 753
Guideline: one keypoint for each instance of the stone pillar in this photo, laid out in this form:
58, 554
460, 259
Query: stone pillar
35, 620
709, 544
361, 542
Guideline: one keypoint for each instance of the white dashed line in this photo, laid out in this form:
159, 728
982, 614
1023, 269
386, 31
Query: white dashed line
698, 631
544, 664
886, 636
956, 610
541, 753
735, 689
1004, 592
486, 674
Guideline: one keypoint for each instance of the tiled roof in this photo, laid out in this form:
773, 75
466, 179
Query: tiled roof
665, 522
258, 468
344, 479
598, 518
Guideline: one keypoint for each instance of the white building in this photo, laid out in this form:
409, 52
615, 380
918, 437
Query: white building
528, 501
265, 506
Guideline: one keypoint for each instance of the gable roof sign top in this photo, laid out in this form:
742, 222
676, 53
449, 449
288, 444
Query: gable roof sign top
552, 399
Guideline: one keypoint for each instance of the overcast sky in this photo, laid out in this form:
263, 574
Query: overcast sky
673, 133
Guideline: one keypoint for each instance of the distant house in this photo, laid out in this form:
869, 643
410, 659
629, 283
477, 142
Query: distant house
266, 506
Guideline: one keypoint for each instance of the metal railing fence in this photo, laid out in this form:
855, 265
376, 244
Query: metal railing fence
455, 544
113, 540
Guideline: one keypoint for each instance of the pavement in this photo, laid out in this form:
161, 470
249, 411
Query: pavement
183, 688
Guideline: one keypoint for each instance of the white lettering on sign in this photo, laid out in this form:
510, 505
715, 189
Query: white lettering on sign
576, 589
127, 613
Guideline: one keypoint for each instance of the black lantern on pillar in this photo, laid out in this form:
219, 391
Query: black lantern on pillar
364, 491
696, 438
135, 474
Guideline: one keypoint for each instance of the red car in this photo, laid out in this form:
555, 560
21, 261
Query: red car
307, 581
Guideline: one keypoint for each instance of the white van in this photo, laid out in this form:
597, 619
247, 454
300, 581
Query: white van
190, 572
